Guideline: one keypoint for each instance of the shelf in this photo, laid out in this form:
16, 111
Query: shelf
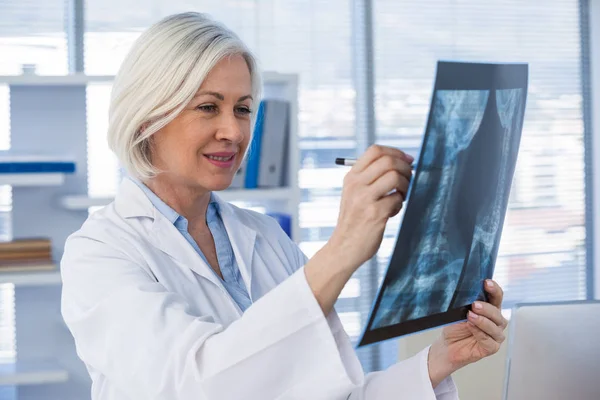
243, 195
257, 195
33, 278
51, 80
31, 373
26, 179
84, 202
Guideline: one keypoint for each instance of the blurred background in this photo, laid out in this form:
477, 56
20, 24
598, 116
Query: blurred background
365, 71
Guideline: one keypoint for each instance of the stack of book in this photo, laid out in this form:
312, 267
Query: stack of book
23, 255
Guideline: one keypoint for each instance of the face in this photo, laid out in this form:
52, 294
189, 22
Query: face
204, 145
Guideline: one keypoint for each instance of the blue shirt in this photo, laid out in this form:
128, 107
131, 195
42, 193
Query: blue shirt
232, 278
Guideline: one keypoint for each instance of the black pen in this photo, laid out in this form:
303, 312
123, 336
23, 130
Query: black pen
351, 161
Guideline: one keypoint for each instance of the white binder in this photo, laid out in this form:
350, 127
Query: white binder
240, 176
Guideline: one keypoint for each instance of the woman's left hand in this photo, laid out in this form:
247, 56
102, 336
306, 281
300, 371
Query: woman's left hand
470, 341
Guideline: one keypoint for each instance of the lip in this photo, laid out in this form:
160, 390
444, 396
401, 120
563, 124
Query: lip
221, 164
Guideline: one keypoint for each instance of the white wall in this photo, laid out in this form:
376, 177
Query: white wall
482, 380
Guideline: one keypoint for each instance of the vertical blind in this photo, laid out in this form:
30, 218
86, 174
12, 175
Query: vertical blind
542, 254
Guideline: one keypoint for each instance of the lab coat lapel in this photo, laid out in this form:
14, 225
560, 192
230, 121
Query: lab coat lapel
242, 238
131, 202
168, 239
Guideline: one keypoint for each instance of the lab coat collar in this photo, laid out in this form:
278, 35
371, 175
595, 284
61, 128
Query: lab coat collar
132, 202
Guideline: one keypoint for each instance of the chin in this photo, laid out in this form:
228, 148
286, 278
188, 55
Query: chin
218, 184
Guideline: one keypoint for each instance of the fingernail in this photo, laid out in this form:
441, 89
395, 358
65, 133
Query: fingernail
489, 284
472, 315
409, 158
477, 305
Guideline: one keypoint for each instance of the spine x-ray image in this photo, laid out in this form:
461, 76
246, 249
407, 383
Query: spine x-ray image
449, 237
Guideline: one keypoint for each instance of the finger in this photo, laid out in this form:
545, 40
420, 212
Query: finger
377, 151
391, 180
484, 340
403, 188
496, 294
383, 165
491, 312
392, 203
487, 326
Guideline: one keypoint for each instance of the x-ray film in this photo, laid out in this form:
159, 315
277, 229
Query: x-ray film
449, 236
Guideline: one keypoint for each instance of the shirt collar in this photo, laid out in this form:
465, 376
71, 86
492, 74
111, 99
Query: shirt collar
173, 216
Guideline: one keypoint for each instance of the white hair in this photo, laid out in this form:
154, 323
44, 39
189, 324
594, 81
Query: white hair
158, 78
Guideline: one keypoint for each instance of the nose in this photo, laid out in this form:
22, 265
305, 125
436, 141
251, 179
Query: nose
230, 129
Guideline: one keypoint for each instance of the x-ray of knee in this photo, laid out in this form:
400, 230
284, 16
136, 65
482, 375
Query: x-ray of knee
450, 233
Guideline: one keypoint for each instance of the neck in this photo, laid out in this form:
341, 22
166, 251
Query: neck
190, 202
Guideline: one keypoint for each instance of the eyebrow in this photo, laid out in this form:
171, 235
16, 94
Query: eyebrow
220, 96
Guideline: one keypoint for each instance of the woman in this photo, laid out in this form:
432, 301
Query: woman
170, 293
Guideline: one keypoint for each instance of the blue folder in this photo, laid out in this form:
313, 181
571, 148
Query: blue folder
253, 164
32, 167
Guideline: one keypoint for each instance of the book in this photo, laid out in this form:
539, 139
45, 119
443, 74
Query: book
284, 220
253, 163
25, 255
27, 266
35, 164
239, 179
29, 244
274, 145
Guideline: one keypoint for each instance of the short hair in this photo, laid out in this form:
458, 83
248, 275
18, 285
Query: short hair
159, 77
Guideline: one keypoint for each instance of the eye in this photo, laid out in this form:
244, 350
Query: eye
243, 110
210, 108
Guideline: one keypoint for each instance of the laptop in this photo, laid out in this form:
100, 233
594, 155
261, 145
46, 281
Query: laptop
554, 352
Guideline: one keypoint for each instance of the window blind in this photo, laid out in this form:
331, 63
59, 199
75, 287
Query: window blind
32, 32
542, 254
539, 259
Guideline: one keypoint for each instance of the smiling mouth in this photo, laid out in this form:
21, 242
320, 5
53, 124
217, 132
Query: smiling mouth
221, 159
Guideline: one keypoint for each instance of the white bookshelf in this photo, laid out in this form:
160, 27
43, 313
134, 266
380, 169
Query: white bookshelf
59, 106
31, 373
33, 278
29, 179
60, 206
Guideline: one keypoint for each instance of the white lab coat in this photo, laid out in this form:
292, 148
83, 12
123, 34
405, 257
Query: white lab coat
152, 321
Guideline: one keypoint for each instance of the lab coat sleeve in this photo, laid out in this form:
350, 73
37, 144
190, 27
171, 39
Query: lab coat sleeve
407, 379
148, 343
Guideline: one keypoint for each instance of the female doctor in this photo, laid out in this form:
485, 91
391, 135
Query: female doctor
171, 293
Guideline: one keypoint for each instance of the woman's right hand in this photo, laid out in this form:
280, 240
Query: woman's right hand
366, 206
367, 203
